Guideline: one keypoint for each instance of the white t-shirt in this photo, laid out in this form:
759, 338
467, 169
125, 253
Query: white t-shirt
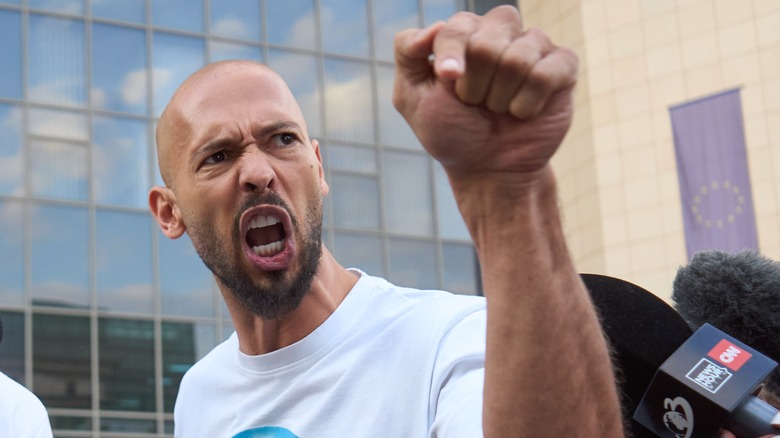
390, 362
22, 415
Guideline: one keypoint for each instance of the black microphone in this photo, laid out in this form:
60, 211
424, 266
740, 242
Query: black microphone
738, 293
643, 332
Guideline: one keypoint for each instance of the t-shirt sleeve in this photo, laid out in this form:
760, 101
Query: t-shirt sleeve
458, 379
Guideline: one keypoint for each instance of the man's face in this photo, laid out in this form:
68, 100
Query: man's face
248, 184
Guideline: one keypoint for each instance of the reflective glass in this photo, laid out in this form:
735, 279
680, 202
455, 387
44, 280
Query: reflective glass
351, 158
11, 48
70, 423
348, 102
123, 10
389, 18
175, 58
56, 61
220, 50
435, 10
75, 7
359, 251
127, 425
12, 347
337, 35
119, 75
59, 256
355, 201
300, 73
291, 23
120, 161
66, 125
407, 193
461, 270
393, 129
178, 14
126, 364
12, 254
124, 261
413, 263
451, 225
236, 19
11, 151
185, 282
61, 361
59, 170
182, 345
11, 2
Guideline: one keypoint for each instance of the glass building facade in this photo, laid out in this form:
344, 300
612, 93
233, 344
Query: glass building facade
102, 313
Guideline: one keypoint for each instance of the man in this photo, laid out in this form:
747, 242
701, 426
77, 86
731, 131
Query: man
320, 350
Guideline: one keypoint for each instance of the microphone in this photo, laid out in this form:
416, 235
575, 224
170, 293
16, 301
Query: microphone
644, 331
738, 293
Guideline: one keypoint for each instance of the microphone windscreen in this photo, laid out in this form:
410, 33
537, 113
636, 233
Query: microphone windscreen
642, 330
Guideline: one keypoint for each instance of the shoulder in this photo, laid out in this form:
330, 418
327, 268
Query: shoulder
21, 410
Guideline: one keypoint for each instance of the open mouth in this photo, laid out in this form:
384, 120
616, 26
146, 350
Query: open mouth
265, 235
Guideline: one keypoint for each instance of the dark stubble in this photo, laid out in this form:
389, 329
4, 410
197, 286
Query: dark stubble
286, 290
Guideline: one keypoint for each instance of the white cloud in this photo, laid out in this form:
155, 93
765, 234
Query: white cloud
134, 86
232, 27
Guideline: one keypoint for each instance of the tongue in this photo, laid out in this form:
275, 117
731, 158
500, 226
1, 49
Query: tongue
265, 235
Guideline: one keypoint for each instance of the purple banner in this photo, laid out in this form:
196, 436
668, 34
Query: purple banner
717, 202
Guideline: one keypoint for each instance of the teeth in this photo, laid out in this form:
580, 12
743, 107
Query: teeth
263, 221
266, 250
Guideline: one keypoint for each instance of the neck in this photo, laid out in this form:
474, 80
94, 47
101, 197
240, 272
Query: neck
259, 336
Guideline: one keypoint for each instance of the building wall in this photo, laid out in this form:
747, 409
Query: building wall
617, 169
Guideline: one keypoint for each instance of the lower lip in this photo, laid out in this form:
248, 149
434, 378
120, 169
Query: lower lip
276, 262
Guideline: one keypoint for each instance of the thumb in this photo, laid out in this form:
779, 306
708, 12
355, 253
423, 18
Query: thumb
413, 48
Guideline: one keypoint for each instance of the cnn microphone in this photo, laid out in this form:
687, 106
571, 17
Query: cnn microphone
653, 351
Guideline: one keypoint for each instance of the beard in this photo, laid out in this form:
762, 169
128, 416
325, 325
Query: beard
286, 290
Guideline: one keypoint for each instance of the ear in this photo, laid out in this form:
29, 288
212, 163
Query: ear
162, 203
324, 189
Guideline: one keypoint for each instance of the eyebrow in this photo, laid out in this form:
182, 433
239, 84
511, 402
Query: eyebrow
221, 143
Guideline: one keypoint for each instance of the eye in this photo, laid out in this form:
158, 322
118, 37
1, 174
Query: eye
216, 158
284, 139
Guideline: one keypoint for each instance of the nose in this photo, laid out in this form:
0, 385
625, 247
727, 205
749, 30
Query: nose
256, 174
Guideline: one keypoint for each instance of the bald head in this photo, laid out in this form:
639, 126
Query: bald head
174, 126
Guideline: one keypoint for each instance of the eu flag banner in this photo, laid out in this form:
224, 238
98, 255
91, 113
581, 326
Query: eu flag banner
712, 168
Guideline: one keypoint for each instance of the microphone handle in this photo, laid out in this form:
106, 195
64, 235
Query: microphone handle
752, 418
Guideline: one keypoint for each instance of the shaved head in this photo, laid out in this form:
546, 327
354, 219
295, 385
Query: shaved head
172, 126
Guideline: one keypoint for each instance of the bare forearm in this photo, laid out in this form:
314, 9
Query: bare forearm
547, 366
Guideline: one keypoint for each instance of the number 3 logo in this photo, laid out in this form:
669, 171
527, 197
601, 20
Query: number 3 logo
679, 417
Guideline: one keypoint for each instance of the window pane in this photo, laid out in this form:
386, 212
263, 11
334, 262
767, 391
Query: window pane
123, 10
352, 158
75, 7
355, 201
337, 35
220, 50
127, 425
11, 151
435, 10
413, 263
59, 256
389, 18
393, 129
407, 193
359, 251
175, 58
236, 19
120, 163
11, 2
461, 270
178, 14
67, 125
12, 347
124, 268
348, 103
126, 364
185, 282
12, 254
57, 61
59, 170
61, 361
451, 225
11, 48
182, 345
119, 76
291, 23
300, 73
70, 423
